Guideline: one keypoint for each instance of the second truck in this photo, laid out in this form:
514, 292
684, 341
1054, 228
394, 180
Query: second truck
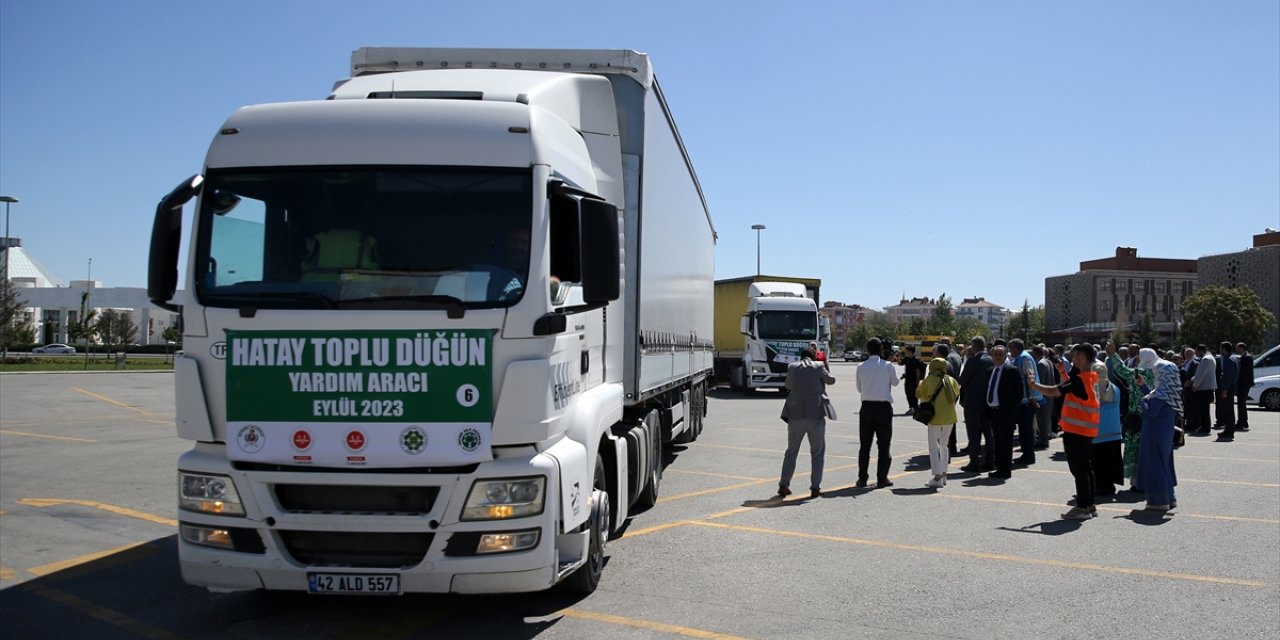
761, 325
438, 327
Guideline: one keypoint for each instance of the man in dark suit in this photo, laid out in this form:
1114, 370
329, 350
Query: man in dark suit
973, 389
1244, 382
1003, 399
805, 415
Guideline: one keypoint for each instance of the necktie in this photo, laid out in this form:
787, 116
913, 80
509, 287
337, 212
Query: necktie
992, 399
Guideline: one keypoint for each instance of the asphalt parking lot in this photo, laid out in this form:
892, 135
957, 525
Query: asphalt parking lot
87, 519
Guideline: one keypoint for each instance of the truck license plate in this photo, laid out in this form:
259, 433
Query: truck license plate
380, 584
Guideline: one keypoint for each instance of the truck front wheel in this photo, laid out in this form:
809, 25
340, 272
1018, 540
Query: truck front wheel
587, 577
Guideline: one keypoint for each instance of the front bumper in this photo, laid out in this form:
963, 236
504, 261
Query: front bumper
289, 533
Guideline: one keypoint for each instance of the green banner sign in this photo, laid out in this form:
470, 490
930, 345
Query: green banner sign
360, 376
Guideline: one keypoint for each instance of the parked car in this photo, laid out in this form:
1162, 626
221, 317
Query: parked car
1267, 364
56, 347
854, 356
1265, 393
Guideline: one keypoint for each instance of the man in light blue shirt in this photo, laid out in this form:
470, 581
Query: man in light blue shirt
1021, 359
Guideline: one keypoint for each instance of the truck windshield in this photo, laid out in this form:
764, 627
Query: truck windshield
787, 325
364, 237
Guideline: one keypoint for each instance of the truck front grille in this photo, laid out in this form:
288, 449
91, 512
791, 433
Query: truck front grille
356, 500
356, 548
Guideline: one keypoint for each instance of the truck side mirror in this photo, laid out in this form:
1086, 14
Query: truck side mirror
166, 235
744, 324
601, 255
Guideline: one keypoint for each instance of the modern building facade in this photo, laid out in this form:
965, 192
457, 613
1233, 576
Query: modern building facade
1118, 292
1256, 268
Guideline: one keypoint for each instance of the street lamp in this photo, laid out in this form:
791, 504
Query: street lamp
7, 200
758, 228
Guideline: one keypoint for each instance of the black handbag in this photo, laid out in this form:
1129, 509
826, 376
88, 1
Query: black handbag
925, 411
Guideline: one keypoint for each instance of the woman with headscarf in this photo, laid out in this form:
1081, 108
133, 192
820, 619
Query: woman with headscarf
942, 391
1108, 464
1131, 410
1161, 408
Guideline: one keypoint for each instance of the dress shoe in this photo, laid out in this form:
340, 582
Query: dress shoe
814, 492
988, 467
882, 484
1023, 461
963, 452
971, 468
1242, 427
783, 491
862, 483
1224, 438
1000, 475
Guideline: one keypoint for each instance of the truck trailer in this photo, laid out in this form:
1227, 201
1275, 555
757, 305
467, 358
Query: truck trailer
438, 327
761, 324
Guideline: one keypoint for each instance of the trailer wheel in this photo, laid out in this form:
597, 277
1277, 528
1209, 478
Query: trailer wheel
587, 577
649, 496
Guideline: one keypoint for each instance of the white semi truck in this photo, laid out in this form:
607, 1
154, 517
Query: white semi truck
780, 319
438, 327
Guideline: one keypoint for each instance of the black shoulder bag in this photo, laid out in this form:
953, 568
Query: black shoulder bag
924, 413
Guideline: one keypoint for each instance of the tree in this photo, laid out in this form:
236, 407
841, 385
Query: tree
1028, 323
13, 323
84, 327
943, 320
967, 328
1145, 333
1216, 314
172, 333
116, 328
917, 327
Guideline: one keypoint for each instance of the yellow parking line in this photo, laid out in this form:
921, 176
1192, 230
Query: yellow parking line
45, 437
100, 612
1086, 566
655, 528
54, 567
730, 476
1100, 508
7, 573
50, 502
648, 625
1232, 482
112, 401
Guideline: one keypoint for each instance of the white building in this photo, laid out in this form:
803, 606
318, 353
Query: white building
988, 313
52, 304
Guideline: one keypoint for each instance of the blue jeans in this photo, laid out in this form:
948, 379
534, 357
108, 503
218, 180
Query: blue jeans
1027, 431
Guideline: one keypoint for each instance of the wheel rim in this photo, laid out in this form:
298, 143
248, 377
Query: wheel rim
1271, 400
600, 537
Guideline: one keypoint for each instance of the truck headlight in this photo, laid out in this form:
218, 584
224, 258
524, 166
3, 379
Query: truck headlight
505, 498
759, 368
207, 536
208, 493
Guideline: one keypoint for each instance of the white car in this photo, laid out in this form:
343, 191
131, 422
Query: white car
1265, 392
1267, 364
54, 348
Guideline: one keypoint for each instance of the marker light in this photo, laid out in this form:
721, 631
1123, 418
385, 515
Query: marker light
508, 541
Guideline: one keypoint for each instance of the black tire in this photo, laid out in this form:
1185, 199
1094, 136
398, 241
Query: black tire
587, 577
692, 416
649, 495
1270, 400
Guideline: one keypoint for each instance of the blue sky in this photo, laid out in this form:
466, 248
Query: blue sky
972, 148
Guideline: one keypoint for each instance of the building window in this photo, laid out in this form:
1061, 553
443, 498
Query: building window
1104, 305
1140, 286
1175, 307
1119, 286
1159, 288
1103, 285
1159, 305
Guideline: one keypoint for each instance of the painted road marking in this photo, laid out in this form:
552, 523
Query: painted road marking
7, 573
647, 625
1102, 508
141, 515
45, 437
727, 476
112, 401
1086, 566
100, 612
54, 567
1180, 479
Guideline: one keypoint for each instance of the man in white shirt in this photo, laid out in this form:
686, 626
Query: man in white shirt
875, 380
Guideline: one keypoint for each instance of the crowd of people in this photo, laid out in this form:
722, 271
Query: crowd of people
1120, 411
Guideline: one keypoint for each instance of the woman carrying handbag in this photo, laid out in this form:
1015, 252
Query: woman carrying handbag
938, 393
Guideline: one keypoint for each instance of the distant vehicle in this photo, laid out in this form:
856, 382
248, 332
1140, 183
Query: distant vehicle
56, 347
854, 356
1266, 393
1267, 364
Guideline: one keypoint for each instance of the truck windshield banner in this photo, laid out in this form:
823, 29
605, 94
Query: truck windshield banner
359, 398
787, 351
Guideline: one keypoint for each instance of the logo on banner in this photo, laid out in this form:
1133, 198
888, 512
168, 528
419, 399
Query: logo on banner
413, 441
301, 440
251, 439
469, 440
355, 440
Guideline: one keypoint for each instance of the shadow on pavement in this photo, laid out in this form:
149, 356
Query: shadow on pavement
139, 593
1148, 518
1049, 528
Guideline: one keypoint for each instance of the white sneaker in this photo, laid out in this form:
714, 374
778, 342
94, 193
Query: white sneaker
935, 482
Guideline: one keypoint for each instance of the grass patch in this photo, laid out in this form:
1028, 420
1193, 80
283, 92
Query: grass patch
77, 363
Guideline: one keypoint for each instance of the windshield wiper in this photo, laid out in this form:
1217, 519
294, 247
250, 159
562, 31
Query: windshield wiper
455, 307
